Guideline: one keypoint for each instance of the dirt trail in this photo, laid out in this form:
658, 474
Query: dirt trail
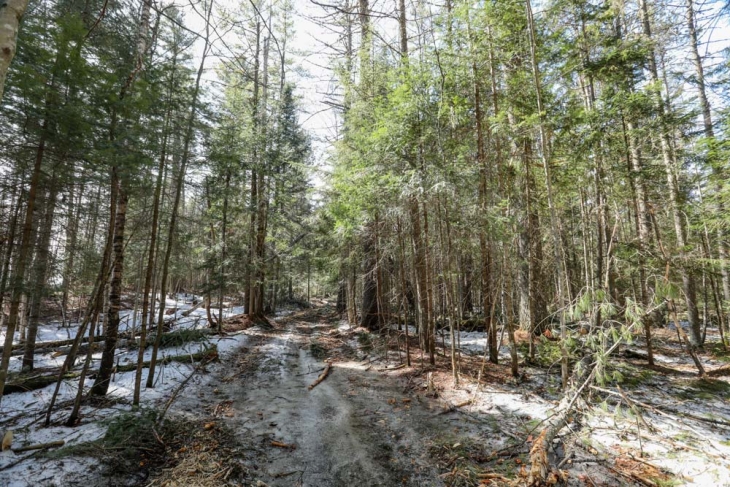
352, 429
372, 423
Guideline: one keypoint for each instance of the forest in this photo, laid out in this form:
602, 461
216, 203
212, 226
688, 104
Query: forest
364, 243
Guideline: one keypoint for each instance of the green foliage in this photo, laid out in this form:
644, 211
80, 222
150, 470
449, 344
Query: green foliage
178, 338
129, 437
625, 375
366, 341
707, 389
317, 350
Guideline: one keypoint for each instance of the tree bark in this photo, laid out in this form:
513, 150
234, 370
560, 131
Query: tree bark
180, 182
555, 230
370, 309
20, 264
39, 276
717, 166
688, 280
10, 14
151, 256
101, 384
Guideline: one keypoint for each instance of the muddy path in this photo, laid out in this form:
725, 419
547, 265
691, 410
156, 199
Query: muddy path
352, 429
375, 422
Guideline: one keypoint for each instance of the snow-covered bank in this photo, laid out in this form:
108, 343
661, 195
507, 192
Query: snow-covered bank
24, 412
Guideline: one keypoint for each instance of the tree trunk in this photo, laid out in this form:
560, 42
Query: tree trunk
555, 230
10, 14
370, 310
688, 280
180, 182
224, 231
101, 384
717, 166
72, 230
152, 254
10, 246
39, 275
25, 244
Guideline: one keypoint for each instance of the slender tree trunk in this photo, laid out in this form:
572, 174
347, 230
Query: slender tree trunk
263, 193
211, 243
152, 254
101, 384
717, 166
71, 238
91, 316
180, 182
224, 231
351, 289
39, 275
370, 310
430, 318
420, 270
404, 291
484, 244
13, 223
250, 286
688, 280
23, 254
555, 230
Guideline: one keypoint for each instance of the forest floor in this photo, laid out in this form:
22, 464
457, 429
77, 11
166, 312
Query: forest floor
252, 420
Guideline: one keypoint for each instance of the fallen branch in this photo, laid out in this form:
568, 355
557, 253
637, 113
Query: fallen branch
39, 446
392, 368
655, 408
540, 468
690, 347
454, 407
321, 377
280, 444
187, 312
493, 476
204, 360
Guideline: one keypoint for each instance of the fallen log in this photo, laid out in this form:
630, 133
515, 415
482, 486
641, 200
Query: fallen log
454, 407
36, 380
40, 446
187, 312
207, 354
321, 377
55, 351
39, 346
63, 347
539, 465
